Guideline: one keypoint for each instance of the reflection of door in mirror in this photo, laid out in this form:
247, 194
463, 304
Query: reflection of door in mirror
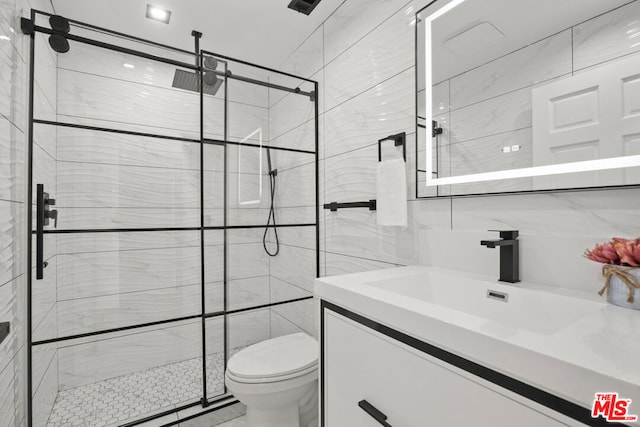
592, 115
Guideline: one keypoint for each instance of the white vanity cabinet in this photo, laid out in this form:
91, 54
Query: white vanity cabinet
411, 388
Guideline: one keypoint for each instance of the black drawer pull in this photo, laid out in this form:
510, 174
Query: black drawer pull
374, 412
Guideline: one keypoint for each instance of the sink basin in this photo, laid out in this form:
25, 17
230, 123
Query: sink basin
504, 307
564, 341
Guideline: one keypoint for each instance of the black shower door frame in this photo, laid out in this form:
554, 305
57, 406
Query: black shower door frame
29, 27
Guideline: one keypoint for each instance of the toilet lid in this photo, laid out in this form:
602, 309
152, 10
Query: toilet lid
275, 357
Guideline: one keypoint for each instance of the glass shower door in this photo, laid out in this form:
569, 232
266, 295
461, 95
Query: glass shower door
116, 317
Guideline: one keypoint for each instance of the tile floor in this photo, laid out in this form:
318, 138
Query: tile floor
122, 399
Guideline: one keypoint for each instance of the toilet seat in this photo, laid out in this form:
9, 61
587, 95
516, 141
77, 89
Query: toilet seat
275, 360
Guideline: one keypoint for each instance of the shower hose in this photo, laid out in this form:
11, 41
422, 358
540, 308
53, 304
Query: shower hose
272, 217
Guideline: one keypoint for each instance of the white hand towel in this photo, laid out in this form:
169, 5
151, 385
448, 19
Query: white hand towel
391, 204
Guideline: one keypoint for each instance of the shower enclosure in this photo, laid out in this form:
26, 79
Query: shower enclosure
152, 176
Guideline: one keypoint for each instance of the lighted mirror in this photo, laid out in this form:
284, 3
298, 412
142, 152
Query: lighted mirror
520, 95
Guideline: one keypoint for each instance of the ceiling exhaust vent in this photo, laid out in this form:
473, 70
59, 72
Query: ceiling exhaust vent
303, 6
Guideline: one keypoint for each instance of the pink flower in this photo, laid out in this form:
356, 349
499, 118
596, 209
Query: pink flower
626, 252
605, 254
618, 251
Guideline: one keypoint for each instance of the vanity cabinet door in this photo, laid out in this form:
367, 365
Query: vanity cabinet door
405, 385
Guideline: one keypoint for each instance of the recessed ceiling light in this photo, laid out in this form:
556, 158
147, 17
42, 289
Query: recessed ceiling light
3, 37
125, 65
158, 14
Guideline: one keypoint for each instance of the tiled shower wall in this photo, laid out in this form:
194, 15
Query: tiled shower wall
363, 57
14, 61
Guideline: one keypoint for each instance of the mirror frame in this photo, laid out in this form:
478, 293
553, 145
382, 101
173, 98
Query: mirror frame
441, 7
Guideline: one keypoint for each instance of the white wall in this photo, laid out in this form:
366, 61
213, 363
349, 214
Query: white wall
366, 74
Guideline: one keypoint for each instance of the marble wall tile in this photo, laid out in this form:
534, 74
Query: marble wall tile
85, 275
294, 265
301, 137
355, 19
244, 293
12, 162
88, 185
538, 62
355, 232
289, 113
13, 80
385, 52
44, 172
116, 103
247, 260
246, 328
237, 236
8, 306
295, 215
607, 36
285, 160
344, 264
79, 145
7, 392
385, 109
295, 187
43, 298
242, 121
238, 216
300, 313
595, 213
190, 134
91, 314
11, 246
281, 326
89, 218
20, 386
106, 242
44, 362
302, 237
45, 70
45, 396
114, 356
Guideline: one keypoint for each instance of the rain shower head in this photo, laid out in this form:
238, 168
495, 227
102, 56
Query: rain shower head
191, 81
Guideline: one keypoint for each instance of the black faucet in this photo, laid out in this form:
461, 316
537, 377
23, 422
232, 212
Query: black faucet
509, 254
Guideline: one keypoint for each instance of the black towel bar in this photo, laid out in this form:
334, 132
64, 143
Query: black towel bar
334, 206
398, 140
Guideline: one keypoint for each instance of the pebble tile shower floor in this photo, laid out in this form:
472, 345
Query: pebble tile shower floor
129, 397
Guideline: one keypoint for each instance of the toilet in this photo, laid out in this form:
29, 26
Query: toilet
277, 380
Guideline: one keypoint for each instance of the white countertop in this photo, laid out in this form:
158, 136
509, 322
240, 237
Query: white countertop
598, 351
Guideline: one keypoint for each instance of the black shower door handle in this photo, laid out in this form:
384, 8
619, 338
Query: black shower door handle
374, 412
40, 231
